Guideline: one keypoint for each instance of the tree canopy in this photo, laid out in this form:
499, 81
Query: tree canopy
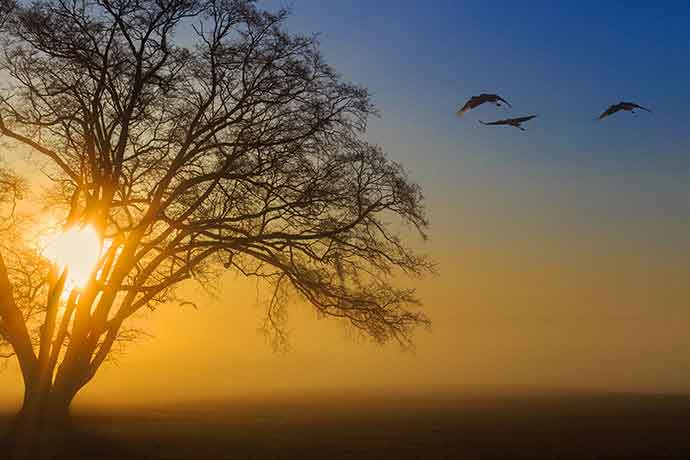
196, 136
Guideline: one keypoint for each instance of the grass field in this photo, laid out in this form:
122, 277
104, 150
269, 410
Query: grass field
471, 427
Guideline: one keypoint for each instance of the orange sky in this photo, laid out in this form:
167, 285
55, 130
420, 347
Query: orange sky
537, 286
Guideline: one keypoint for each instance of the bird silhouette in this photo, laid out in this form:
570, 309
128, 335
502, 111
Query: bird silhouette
515, 122
629, 106
476, 101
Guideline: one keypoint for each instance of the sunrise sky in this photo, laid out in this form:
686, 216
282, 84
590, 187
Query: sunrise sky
563, 252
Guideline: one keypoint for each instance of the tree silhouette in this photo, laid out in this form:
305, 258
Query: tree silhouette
196, 136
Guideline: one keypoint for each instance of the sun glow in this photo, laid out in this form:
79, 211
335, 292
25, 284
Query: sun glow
78, 250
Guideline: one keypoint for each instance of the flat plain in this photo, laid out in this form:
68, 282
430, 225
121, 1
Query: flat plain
549, 426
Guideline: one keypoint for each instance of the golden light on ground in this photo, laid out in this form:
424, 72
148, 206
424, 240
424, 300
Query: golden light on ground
78, 250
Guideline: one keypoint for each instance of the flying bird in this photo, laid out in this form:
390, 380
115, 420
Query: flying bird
629, 106
515, 122
476, 101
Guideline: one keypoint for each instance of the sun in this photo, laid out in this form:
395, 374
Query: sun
78, 249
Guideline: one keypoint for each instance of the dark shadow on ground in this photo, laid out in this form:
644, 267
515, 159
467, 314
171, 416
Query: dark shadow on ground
526, 427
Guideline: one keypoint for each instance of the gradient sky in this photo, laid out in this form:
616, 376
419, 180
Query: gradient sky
564, 251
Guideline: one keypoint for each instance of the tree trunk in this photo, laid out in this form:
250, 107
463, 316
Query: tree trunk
42, 426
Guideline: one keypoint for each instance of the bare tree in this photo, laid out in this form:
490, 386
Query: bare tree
196, 136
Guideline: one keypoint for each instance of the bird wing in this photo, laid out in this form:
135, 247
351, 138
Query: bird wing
494, 123
642, 108
610, 111
463, 110
473, 102
504, 101
469, 105
523, 119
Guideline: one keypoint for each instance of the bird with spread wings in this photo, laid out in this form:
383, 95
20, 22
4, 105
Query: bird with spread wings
514, 122
628, 106
476, 101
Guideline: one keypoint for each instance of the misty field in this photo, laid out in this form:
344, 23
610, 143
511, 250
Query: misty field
470, 427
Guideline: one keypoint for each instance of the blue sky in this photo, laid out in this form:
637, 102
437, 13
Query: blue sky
566, 62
